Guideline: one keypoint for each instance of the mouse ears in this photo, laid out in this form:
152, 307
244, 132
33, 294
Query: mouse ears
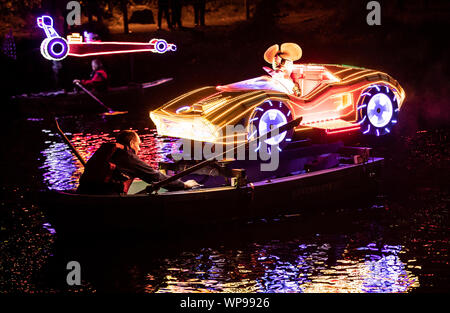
289, 51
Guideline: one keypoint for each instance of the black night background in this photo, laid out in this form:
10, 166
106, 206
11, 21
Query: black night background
332, 250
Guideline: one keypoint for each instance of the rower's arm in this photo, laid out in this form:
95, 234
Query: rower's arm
135, 167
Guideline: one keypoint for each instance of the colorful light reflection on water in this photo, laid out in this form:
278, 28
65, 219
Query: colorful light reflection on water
62, 170
403, 248
293, 268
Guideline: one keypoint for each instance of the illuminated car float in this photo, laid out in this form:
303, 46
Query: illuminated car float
334, 99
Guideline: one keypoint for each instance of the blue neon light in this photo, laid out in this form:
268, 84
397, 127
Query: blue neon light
182, 109
270, 119
361, 106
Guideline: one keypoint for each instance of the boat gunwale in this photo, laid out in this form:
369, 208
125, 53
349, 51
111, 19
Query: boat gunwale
266, 182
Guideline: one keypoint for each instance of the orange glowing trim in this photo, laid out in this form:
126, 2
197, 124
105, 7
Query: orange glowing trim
74, 38
342, 71
343, 100
312, 94
237, 104
252, 108
246, 96
185, 96
214, 105
359, 72
302, 128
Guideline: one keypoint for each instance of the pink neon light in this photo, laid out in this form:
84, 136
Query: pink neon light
82, 49
110, 52
342, 130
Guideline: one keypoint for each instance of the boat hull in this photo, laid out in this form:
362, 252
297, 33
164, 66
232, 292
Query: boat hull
73, 213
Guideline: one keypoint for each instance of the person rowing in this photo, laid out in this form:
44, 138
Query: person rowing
114, 166
98, 80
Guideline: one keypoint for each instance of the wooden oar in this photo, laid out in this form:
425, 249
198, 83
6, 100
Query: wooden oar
264, 137
110, 111
74, 150
156, 82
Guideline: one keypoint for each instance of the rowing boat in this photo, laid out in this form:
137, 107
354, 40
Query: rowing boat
64, 102
324, 174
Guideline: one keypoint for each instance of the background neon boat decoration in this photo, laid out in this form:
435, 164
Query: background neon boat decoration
56, 48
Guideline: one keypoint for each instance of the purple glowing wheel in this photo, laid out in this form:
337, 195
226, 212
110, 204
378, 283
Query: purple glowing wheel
270, 115
377, 110
161, 46
55, 48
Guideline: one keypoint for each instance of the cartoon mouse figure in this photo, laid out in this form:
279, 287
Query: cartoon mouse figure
282, 60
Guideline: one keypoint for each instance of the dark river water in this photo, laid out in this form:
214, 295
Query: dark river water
395, 242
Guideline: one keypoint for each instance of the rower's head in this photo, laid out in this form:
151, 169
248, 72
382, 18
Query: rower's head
96, 64
130, 138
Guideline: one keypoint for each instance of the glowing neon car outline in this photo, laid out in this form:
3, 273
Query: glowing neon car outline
335, 98
74, 45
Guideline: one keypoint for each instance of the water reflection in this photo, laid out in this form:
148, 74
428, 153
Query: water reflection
62, 170
291, 268
412, 228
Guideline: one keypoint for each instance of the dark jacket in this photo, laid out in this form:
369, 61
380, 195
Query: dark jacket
112, 169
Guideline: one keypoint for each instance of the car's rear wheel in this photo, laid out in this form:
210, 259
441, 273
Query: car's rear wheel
269, 115
377, 110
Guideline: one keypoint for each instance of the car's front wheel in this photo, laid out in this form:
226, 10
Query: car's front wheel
267, 116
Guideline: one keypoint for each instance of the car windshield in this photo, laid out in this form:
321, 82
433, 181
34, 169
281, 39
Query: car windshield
262, 82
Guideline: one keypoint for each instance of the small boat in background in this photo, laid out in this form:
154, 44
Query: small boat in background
77, 102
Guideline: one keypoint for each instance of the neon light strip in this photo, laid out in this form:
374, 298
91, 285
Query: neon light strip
244, 97
362, 121
110, 52
361, 106
342, 130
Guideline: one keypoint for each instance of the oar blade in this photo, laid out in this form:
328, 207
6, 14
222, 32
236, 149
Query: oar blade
111, 113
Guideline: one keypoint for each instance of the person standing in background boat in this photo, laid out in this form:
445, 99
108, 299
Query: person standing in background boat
99, 78
114, 166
